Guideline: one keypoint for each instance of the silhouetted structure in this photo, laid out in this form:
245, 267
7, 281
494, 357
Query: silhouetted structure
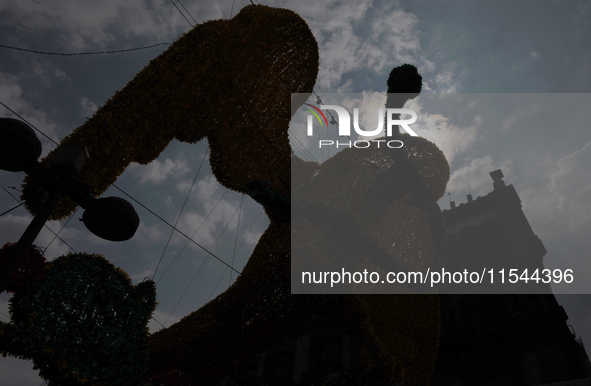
318, 349
492, 232
502, 339
485, 339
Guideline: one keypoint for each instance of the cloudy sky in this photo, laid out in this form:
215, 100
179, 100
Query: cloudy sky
464, 46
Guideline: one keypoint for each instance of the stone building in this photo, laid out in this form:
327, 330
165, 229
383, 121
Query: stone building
501, 339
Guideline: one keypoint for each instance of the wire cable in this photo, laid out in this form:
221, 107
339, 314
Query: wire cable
82, 53
10, 210
42, 133
182, 14
10, 187
2, 313
60, 231
194, 233
186, 10
133, 198
236, 238
203, 262
250, 230
173, 227
181, 212
224, 273
305, 152
45, 225
216, 285
128, 195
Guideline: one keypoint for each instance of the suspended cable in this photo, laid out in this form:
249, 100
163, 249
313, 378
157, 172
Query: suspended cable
186, 10
304, 149
216, 285
128, 195
300, 146
60, 231
224, 273
250, 230
10, 210
45, 225
15, 113
173, 227
203, 262
82, 53
178, 9
226, 269
10, 187
181, 212
194, 233
236, 238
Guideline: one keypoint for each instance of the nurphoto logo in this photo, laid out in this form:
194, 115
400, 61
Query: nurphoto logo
393, 117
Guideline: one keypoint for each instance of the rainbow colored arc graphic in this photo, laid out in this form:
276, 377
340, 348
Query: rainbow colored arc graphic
314, 112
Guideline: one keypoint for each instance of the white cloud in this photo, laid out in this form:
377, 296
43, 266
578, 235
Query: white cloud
82, 25
206, 188
45, 73
443, 81
448, 81
158, 171
47, 237
368, 108
11, 93
390, 37
451, 139
210, 229
151, 235
88, 107
474, 178
140, 276
574, 174
562, 206
252, 238
14, 226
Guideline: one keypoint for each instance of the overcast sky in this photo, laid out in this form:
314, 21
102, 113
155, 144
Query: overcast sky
459, 47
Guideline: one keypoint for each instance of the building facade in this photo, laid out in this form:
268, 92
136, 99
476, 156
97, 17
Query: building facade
502, 339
